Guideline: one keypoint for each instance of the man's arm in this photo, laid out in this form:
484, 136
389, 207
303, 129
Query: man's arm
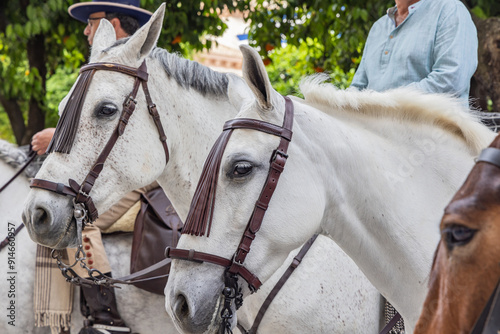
41, 140
360, 80
455, 54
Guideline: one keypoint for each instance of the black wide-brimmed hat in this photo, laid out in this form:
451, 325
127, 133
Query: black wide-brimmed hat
81, 11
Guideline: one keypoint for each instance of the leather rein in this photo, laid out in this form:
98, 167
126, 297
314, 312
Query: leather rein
489, 320
85, 211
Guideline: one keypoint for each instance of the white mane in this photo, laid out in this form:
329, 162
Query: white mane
404, 103
187, 73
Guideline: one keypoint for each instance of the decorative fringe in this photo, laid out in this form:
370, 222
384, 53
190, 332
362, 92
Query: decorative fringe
56, 321
201, 209
67, 126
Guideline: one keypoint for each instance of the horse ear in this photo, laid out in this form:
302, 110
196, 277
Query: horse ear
146, 37
256, 76
238, 92
104, 37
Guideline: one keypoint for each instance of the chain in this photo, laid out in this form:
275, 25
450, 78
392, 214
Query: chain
95, 277
230, 292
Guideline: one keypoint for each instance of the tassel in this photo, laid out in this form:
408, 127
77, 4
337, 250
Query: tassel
66, 128
201, 209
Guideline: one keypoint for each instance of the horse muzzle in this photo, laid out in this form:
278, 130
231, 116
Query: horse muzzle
50, 223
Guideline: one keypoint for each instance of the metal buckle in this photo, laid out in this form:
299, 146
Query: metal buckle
278, 152
130, 99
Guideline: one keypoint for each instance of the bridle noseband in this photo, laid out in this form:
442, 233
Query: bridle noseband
235, 266
85, 211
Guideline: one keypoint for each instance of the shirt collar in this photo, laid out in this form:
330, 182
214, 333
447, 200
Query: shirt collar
392, 11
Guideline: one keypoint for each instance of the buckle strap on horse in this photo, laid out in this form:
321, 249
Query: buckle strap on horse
278, 160
490, 155
82, 192
98, 278
297, 260
192, 255
200, 212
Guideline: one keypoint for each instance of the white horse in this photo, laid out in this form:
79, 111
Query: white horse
371, 170
141, 310
327, 293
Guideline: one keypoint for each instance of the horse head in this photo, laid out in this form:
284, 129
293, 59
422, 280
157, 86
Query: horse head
99, 101
466, 265
240, 163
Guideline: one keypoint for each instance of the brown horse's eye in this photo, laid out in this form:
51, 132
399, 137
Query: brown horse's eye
457, 235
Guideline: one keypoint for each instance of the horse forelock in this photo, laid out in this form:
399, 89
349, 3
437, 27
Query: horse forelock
406, 104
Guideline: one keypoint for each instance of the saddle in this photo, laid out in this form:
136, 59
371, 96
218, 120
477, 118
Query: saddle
157, 226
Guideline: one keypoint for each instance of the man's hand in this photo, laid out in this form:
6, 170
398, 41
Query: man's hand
41, 140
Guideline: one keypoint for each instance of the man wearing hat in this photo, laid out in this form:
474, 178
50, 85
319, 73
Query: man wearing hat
125, 15
98, 302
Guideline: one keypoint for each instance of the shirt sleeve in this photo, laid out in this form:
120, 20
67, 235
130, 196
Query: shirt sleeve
454, 54
360, 80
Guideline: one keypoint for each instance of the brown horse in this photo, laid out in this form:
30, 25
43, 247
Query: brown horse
466, 265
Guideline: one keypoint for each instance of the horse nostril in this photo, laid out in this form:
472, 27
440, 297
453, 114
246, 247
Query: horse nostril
40, 219
40, 216
181, 307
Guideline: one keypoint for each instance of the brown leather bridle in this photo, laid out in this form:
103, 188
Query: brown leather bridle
489, 319
84, 205
235, 265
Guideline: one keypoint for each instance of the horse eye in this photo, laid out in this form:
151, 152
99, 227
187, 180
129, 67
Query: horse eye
106, 110
457, 235
242, 169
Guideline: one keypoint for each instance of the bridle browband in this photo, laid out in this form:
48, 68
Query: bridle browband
84, 205
279, 156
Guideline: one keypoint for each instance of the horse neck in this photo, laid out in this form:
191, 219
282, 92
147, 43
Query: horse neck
385, 192
192, 123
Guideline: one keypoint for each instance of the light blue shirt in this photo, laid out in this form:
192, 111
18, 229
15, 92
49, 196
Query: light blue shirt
434, 50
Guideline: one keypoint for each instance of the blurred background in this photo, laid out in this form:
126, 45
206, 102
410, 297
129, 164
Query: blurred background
42, 47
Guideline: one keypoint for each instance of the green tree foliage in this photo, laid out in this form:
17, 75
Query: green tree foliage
41, 48
289, 64
333, 31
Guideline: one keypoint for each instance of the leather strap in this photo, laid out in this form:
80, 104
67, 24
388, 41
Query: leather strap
387, 328
286, 275
135, 277
58, 188
156, 118
140, 72
489, 320
201, 209
29, 159
200, 257
82, 192
490, 155
278, 160
6, 241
